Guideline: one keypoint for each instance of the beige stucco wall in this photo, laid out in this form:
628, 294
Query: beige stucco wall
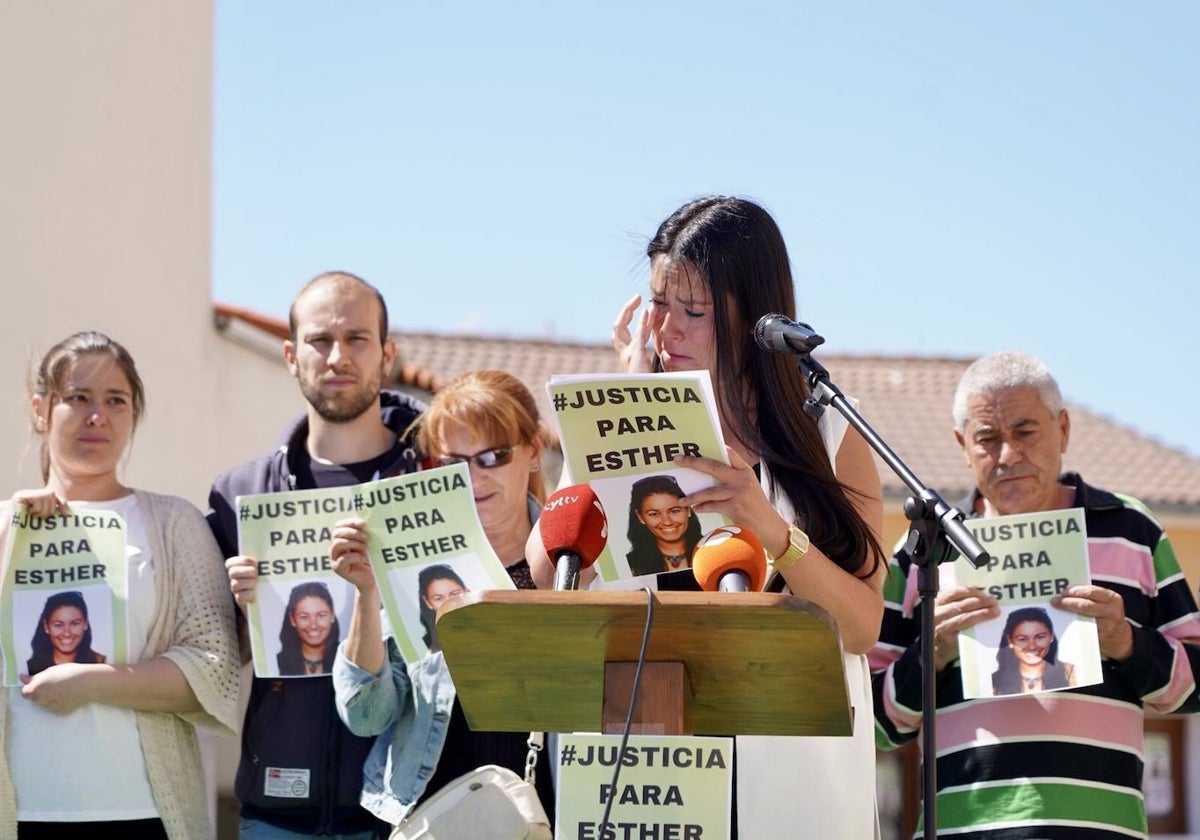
105, 162
105, 183
104, 220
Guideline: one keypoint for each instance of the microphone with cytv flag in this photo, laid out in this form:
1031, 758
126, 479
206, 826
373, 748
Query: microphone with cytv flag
574, 531
730, 559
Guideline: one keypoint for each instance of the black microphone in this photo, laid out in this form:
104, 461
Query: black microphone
781, 334
574, 532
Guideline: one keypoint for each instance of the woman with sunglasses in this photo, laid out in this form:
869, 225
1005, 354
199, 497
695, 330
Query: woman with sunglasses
488, 420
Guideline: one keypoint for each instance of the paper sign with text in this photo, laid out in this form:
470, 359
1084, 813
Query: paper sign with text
671, 788
426, 545
620, 434
64, 591
301, 607
1032, 646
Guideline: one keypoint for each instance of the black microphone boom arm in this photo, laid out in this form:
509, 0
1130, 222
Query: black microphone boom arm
937, 534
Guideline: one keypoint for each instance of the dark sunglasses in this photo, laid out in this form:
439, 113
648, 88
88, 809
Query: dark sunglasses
486, 459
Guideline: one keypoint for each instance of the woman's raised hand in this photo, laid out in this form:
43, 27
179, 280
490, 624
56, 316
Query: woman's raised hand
348, 551
631, 348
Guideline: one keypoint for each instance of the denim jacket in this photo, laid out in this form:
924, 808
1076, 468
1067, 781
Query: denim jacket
408, 708
410, 713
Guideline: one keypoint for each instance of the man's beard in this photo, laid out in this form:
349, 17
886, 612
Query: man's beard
335, 409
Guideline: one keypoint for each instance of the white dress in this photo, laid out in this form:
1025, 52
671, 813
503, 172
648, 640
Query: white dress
806, 787
818, 787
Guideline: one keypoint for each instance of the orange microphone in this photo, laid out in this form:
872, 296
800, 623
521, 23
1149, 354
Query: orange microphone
730, 559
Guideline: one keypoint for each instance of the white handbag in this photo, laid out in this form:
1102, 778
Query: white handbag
489, 803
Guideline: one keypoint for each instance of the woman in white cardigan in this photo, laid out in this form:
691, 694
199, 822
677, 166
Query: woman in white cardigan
113, 744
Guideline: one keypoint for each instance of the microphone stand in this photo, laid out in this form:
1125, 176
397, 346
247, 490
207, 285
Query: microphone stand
566, 572
937, 535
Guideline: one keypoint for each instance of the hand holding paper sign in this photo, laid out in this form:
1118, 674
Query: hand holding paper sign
739, 496
364, 636
61, 689
954, 610
1108, 608
41, 501
243, 579
348, 551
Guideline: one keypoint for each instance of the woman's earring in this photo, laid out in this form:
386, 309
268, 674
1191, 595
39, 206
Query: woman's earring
40, 423
535, 467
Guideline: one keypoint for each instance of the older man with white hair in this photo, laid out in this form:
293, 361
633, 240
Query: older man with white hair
1064, 764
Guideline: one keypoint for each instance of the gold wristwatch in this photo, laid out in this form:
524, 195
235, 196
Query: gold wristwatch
797, 548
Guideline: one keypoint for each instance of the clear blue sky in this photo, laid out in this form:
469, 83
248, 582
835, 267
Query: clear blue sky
952, 179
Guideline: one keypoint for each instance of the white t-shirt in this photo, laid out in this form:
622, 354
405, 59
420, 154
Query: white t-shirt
88, 765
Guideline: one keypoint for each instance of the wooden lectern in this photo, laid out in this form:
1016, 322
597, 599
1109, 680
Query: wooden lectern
716, 664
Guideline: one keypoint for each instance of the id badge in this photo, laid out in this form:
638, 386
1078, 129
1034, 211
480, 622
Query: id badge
287, 782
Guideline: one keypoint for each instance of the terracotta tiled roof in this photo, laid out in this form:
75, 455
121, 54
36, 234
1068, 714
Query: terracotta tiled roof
269, 325
906, 399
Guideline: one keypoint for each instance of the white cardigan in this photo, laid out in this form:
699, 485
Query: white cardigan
194, 627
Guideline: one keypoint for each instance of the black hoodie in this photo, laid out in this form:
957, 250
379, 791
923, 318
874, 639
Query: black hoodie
293, 743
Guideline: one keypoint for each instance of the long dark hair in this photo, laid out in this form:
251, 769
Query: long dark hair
427, 575
644, 551
738, 249
290, 657
43, 648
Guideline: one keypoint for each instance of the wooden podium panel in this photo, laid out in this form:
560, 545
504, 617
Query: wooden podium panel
757, 663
